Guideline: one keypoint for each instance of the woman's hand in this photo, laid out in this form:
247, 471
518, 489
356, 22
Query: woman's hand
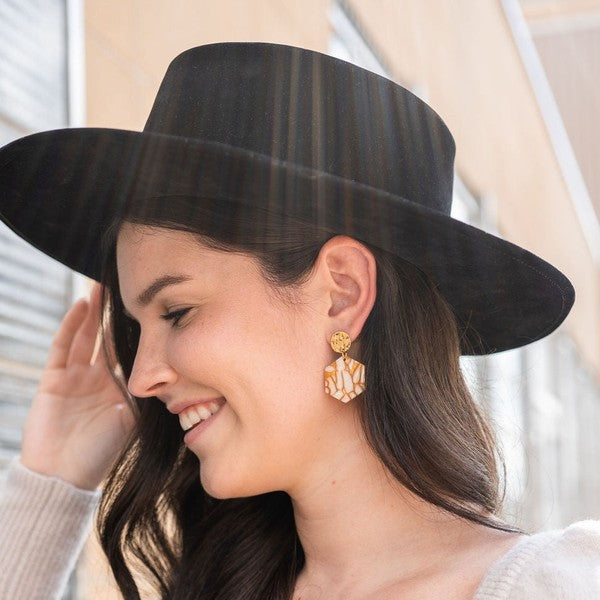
79, 419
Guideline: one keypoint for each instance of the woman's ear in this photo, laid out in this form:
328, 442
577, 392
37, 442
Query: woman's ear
348, 271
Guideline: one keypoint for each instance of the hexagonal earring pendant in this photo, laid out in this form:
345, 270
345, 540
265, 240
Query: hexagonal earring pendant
344, 378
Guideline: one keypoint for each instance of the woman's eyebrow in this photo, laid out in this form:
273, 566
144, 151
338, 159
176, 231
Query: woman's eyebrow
148, 294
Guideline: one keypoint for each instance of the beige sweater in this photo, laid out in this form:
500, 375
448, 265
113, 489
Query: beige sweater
43, 525
44, 522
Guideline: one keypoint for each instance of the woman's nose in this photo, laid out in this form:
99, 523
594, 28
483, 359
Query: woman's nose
150, 373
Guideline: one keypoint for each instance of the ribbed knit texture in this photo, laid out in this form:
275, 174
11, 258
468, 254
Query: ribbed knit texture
563, 564
43, 526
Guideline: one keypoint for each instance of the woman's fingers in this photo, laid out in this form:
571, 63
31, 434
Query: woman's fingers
106, 351
84, 342
75, 339
63, 340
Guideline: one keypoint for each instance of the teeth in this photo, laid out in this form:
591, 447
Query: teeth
194, 414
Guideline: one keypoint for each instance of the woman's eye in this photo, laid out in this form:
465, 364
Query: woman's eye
175, 316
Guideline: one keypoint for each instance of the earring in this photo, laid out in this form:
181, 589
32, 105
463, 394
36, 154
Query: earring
344, 378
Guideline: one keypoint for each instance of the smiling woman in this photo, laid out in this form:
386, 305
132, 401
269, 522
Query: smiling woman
277, 202
255, 334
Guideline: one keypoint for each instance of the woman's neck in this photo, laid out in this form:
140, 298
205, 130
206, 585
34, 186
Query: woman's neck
359, 527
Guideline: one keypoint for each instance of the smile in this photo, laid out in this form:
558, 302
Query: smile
190, 417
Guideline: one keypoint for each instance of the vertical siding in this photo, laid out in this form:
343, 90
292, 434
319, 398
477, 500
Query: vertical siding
34, 290
32, 63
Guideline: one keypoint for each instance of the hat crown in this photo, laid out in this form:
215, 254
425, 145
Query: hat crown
309, 109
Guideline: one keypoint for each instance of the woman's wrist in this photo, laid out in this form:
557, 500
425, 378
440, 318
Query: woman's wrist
48, 468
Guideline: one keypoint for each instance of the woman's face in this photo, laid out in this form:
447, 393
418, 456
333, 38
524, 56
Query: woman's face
215, 336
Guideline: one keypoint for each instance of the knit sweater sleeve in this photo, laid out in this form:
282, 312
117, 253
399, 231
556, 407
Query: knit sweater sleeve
44, 522
552, 565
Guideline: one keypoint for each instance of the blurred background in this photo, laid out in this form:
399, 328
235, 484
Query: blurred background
516, 82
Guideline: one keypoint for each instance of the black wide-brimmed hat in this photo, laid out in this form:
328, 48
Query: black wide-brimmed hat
244, 128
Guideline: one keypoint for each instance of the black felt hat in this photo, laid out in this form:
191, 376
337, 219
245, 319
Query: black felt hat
241, 128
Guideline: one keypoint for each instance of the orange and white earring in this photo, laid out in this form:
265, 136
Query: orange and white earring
344, 378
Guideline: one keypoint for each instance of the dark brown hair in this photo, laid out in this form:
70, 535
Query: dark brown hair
416, 412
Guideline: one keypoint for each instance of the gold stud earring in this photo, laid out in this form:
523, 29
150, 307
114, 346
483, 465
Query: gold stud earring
344, 378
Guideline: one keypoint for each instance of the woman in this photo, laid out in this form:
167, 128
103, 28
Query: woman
279, 206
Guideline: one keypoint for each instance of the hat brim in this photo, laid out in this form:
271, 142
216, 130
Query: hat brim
60, 190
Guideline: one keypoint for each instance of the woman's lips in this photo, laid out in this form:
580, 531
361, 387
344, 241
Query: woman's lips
178, 407
197, 413
193, 434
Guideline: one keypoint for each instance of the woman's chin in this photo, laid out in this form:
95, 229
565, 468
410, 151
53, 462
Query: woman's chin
219, 485
223, 485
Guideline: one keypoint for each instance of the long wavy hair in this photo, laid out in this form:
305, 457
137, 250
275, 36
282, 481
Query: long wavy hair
416, 412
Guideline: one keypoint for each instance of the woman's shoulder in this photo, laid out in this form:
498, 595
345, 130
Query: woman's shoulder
551, 565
